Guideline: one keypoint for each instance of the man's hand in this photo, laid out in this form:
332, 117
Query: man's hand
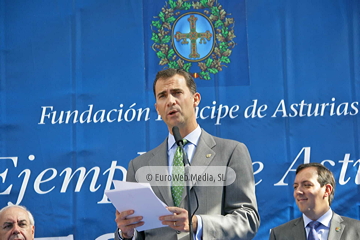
179, 220
127, 224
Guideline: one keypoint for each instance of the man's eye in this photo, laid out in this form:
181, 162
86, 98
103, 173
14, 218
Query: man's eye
7, 226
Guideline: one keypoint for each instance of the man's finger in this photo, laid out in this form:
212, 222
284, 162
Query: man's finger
125, 214
176, 210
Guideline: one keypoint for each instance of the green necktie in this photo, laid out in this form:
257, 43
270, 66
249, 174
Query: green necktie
177, 186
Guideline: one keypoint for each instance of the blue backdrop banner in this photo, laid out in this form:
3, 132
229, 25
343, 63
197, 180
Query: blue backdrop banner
76, 98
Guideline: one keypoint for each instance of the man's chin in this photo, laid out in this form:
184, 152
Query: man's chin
302, 207
174, 122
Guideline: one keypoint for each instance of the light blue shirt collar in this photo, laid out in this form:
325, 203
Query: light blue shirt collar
324, 228
324, 219
192, 137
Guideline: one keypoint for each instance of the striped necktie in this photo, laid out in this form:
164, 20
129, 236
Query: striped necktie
178, 170
313, 234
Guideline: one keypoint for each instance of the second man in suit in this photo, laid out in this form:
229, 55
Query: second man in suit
314, 189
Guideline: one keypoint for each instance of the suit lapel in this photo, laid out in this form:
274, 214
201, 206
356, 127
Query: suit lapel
160, 159
203, 155
336, 227
298, 229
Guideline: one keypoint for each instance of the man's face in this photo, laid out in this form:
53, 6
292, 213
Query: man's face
15, 225
310, 197
175, 103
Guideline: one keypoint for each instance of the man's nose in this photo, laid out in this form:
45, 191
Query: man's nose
16, 230
171, 101
298, 191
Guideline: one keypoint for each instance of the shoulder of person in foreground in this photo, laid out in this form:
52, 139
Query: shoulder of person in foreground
221, 142
352, 221
228, 147
149, 154
288, 230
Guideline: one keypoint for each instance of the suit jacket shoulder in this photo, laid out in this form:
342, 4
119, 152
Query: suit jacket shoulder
159, 151
292, 230
343, 228
212, 141
223, 148
206, 141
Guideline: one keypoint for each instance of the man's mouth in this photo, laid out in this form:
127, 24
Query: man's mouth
172, 112
17, 238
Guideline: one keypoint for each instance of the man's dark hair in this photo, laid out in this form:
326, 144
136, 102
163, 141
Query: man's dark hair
167, 73
325, 176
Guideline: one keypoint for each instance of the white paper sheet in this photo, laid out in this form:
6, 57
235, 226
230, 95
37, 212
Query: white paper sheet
140, 198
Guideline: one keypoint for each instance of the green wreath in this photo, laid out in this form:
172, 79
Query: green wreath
224, 34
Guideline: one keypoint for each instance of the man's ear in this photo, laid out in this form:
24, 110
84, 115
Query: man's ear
328, 190
197, 99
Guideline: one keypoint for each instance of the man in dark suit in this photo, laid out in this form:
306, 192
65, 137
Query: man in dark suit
314, 189
220, 212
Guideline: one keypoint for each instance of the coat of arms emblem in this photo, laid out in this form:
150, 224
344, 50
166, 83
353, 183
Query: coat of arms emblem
195, 36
